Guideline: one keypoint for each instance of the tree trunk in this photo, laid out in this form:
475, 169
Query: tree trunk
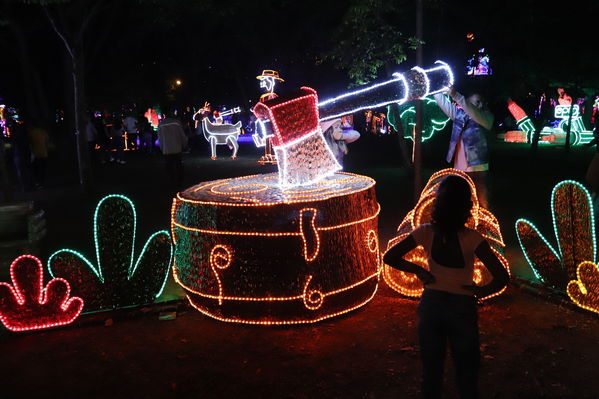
7, 190
74, 49
83, 158
417, 155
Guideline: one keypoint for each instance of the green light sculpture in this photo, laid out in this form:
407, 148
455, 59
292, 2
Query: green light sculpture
117, 279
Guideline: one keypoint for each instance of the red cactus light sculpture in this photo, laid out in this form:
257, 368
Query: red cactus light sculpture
27, 305
481, 220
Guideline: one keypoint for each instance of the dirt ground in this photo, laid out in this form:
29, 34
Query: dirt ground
533, 345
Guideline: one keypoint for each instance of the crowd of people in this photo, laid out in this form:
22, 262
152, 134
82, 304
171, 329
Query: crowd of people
25, 147
28, 143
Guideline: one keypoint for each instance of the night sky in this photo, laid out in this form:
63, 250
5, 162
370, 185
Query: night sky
134, 50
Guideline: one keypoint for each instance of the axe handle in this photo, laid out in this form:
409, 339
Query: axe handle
415, 83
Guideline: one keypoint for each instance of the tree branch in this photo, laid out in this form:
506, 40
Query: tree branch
59, 33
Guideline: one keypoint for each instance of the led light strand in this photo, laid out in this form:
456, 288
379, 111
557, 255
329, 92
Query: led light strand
307, 296
580, 239
589, 205
428, 132
267, 234
301, 296
71, 261
313, 233
222, 134
298, 139
398, 78
481, 220
134, 225
282, 322
584, 291
272, 203
48, 307
218, 254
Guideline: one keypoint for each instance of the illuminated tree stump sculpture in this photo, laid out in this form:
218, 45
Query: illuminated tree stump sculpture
481, 220
300, 245
249, 251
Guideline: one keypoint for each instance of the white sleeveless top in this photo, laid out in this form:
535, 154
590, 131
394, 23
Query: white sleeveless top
450, 279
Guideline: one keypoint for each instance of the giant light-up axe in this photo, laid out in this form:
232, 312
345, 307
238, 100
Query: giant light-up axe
293, 124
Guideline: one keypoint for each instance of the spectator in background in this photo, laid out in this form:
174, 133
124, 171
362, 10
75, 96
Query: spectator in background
563, 98
39, 140
472, 123
146, 133
91, 134
102, 138
172, 141
21, 152
117, 141
337, 138
130, 126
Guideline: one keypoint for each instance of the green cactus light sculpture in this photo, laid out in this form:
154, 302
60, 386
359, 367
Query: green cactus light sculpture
117, 280
574, 228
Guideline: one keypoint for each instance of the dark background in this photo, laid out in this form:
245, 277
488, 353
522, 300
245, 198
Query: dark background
134, 50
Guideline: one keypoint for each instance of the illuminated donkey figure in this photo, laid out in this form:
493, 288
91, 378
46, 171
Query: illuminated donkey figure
222, 134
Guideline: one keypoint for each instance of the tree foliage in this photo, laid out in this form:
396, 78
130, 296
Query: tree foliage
370, 37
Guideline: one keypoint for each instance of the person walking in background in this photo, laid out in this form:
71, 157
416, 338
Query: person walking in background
130, 127
21, 152
468, 149
91, 134
40, 141
447, 309
118, 142
172, 141
146, 137
102, 139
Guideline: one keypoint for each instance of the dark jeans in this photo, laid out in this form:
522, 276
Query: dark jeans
481, 182
448, 318
174, 168
39, 170
118, 144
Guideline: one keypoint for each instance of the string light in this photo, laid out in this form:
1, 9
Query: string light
481, 220
117, 279
303, 157
302, 154
580, 135
280, 322
574, 230
330, 187
522, 120
222, 134
417, 83
431, 124
230, 263
572, 214
309, 304
584, 291
27, 305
